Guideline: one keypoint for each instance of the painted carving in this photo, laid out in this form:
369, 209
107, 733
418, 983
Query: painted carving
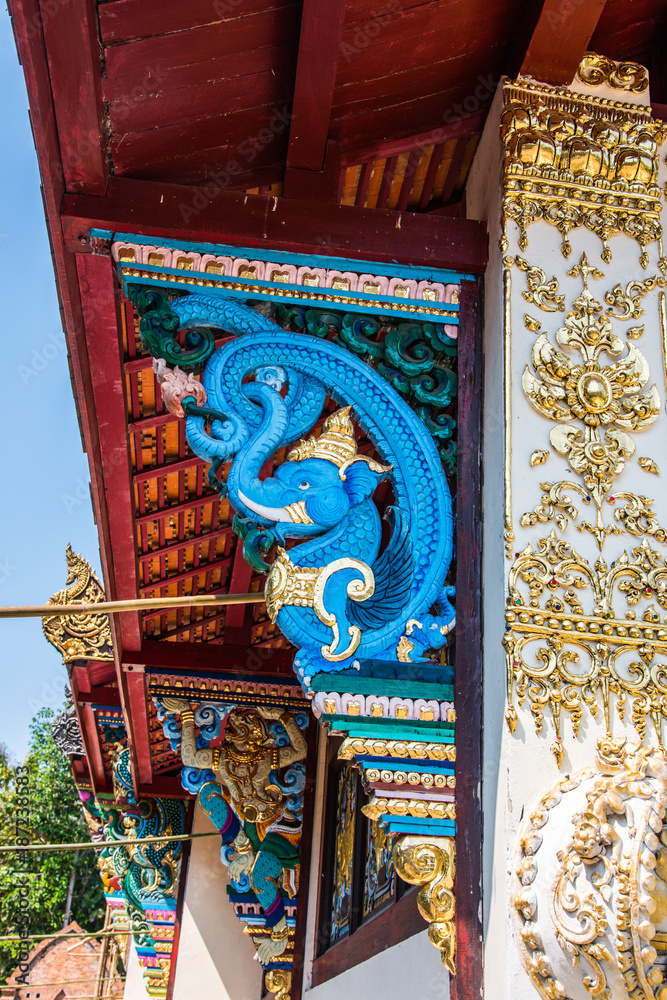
251, 786
431, 863
65, 729
79, 637
140, 880
575, 160
335, 594
590, 895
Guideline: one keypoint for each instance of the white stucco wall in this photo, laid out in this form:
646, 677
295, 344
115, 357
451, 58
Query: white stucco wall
215, 958
519, 768
412, 969
135, 984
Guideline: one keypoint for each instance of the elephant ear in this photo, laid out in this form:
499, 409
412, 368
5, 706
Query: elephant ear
360, 482
328, 506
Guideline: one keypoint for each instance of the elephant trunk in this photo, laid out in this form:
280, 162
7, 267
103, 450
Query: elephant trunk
243, 478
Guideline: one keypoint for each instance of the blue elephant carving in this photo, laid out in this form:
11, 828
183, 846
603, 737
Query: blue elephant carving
339, 598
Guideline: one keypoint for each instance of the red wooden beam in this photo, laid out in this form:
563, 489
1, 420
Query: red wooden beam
192, 657
453, 172
188, 574
176, 508
168, 211
319, 43
140, 730
102, 695
88, 728
468, 982
102, 326
73, 51
560, 39
454, 127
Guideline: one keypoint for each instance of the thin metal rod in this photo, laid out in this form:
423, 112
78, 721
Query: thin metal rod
69, 982
60, 937
100, 844
137, 604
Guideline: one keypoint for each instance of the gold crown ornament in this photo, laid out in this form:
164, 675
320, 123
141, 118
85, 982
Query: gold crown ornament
335, 444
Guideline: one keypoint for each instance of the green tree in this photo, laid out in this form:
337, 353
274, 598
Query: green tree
41, 892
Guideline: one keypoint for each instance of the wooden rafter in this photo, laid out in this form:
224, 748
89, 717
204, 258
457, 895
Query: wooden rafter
560, 39
319, 43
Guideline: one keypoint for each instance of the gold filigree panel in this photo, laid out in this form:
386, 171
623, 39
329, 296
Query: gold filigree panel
574, 160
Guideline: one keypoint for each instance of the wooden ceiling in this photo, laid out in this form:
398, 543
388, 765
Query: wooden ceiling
188, 90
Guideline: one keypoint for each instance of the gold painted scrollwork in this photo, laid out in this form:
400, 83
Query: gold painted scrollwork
79, 637
431, 863
596, 71
568, 648
279, 982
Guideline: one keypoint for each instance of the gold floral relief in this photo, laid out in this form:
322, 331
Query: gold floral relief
574, 161
595, 388
581, 636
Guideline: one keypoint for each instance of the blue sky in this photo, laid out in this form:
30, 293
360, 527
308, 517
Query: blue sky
44, 483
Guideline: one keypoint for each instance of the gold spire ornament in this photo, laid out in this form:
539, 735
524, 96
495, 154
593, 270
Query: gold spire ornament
335, 444
79, 637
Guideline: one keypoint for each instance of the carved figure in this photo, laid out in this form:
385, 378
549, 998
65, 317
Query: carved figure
335, 595
260, 832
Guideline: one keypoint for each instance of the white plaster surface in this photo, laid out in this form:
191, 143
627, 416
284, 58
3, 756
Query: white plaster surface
518, 769
411, 969
135, 984
215, 958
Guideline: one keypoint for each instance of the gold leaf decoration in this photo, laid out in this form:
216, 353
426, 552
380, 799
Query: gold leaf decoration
568, 649
598, 71
576, 160
431, 863
533, 325
79, 637
595, 405
538, 457
648, 465
626, 303
541, 292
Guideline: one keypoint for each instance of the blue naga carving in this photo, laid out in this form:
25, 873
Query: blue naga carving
335, 595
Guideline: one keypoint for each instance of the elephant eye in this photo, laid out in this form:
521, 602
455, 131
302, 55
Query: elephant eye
304, 485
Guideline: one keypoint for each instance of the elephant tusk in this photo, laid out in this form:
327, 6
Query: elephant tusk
293, 513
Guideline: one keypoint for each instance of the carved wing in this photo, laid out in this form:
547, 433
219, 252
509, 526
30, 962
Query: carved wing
393, 572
